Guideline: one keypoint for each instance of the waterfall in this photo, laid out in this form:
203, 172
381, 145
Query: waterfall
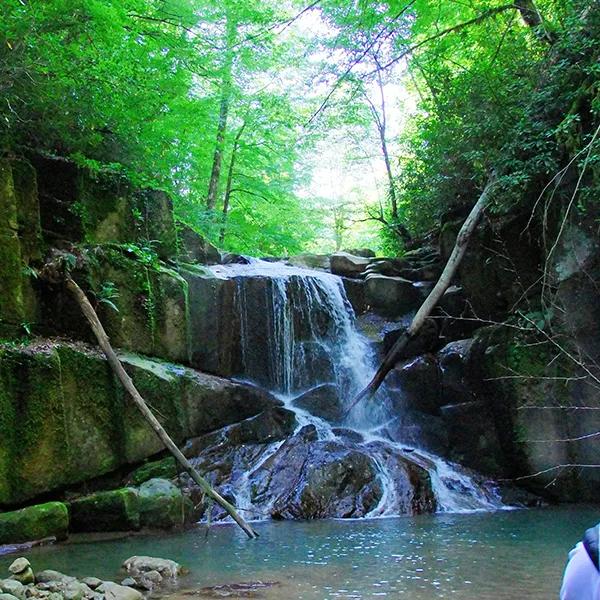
296, 332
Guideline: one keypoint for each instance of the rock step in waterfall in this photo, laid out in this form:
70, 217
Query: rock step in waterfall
293, 332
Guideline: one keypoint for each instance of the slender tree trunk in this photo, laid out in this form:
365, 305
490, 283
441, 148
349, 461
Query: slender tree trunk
117, 367
228, 186
436, 293
226, 82
532, 17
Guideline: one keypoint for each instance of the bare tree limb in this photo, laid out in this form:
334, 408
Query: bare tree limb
125, 379
427, 307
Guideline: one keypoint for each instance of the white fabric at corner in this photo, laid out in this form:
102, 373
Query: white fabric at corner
581, 580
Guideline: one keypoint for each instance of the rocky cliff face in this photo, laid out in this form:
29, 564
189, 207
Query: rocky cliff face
507, 400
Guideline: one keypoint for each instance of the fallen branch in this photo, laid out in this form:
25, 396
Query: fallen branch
117, 367
460, 247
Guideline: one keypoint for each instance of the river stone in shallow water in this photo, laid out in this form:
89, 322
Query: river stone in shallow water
138, 565
114, 591
11, 586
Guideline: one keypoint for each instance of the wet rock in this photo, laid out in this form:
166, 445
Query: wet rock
322, 401
13, 587
355, 292
21, 571
391, 296
472, 439
116, 510
161, 505
312, 362
92, 582
230, 258
269, 426
8, 597
114, 591
348, 434
49, 575
364, 252
139, 565
458, 320
348, 265
416, 384
250, 589
426, 340
454, 368
418, 430
34, 523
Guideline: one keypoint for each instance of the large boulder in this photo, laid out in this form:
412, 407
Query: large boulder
323, 401
194, 248
78, 205
34, 523
310, 261
19, 244
348, 265
416, 384
116, 510
65, 419
162, 505
391, 296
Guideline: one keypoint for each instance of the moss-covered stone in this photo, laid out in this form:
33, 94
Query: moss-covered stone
65, 419
116, 510
34, 523
163, 469
12, 308
162, 505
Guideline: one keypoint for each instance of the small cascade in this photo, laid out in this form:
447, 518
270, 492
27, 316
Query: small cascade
297, 334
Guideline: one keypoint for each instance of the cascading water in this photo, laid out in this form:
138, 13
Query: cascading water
300, 333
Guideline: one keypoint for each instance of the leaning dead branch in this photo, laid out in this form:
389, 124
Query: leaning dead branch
434, 297
54, 274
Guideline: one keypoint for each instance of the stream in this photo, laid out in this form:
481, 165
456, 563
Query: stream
485, 556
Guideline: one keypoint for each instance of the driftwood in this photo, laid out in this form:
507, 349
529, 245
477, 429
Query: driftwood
460, 247
117, 367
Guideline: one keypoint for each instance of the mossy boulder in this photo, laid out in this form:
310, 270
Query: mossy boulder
65, 419
34, 523
162, 505
19, 243
116, 510
163, 469
80, 205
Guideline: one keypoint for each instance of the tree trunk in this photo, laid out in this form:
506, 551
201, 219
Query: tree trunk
532, 17
117, 367
230, 171
436, 293
226, 82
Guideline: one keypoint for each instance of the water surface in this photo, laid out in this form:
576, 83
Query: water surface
484, 556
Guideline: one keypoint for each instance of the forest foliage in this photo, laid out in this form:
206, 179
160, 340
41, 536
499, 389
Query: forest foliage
225, 105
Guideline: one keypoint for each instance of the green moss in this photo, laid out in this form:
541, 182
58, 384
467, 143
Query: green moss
34, 523
163, 469
162, 505
116, 510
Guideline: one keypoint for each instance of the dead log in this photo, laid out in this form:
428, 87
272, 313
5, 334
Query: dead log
117, 367
460, 247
